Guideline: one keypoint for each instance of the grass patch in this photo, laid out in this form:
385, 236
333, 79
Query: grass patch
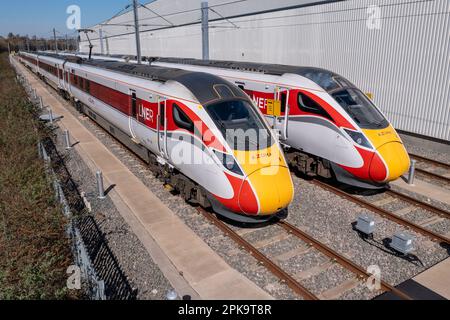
34, 250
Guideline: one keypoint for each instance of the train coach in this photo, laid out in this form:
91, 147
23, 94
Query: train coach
191, 127
328, 125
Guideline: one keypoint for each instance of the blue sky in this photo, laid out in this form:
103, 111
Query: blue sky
39, 17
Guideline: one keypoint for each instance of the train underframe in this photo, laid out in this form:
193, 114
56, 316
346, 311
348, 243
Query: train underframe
314, 166
309, 165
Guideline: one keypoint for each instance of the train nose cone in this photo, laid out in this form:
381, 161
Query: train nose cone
273, 188
396, 162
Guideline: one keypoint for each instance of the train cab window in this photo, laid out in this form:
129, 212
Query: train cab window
360, 108
133, 104
241, 125
306, 104
181, 119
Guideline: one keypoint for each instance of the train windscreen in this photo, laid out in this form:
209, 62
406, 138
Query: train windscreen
327, 80
360, 108
241, 125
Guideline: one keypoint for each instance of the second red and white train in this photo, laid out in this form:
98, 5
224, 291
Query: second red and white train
328, 125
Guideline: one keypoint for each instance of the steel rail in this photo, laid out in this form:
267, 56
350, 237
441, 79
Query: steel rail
343, 261
384, 213
271, 266
433, 175
435, 162
419, 203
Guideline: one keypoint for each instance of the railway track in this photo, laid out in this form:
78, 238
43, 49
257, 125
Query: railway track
284, 276
390, 215
444, 178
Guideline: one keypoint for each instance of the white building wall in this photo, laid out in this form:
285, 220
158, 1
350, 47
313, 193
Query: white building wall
405, 63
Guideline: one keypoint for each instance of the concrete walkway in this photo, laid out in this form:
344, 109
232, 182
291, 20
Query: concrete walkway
437, 278
426, 189
176, 249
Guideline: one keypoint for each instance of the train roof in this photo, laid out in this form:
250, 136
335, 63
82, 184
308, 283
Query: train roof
207, 88
326, 79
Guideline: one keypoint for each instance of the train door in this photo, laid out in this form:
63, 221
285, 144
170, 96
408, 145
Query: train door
70, 75
282, 121
66, 80
60, 77
162, 127
58, 71
132, 119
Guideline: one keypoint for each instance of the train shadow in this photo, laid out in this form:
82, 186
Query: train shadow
104, 262
251, 225
445, 246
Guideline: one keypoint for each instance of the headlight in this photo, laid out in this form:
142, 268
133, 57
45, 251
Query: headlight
228, 162
359, 138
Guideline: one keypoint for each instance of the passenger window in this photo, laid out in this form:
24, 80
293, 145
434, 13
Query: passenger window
181, 119
88, 86
307, 104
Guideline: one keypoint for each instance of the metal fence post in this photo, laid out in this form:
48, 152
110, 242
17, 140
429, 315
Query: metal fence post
172, 295
50, 114
412, 171
100, 186
41, 156
67, 139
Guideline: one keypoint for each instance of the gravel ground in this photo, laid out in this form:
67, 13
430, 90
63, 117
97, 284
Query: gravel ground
334, 276
303, 262
143, 274
360, 291
329, 219
418, 216
275, 249
395, 205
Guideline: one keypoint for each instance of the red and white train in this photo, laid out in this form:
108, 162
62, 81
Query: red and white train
330, 127
178, 122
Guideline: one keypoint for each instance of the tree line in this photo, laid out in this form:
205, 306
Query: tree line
16, 42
